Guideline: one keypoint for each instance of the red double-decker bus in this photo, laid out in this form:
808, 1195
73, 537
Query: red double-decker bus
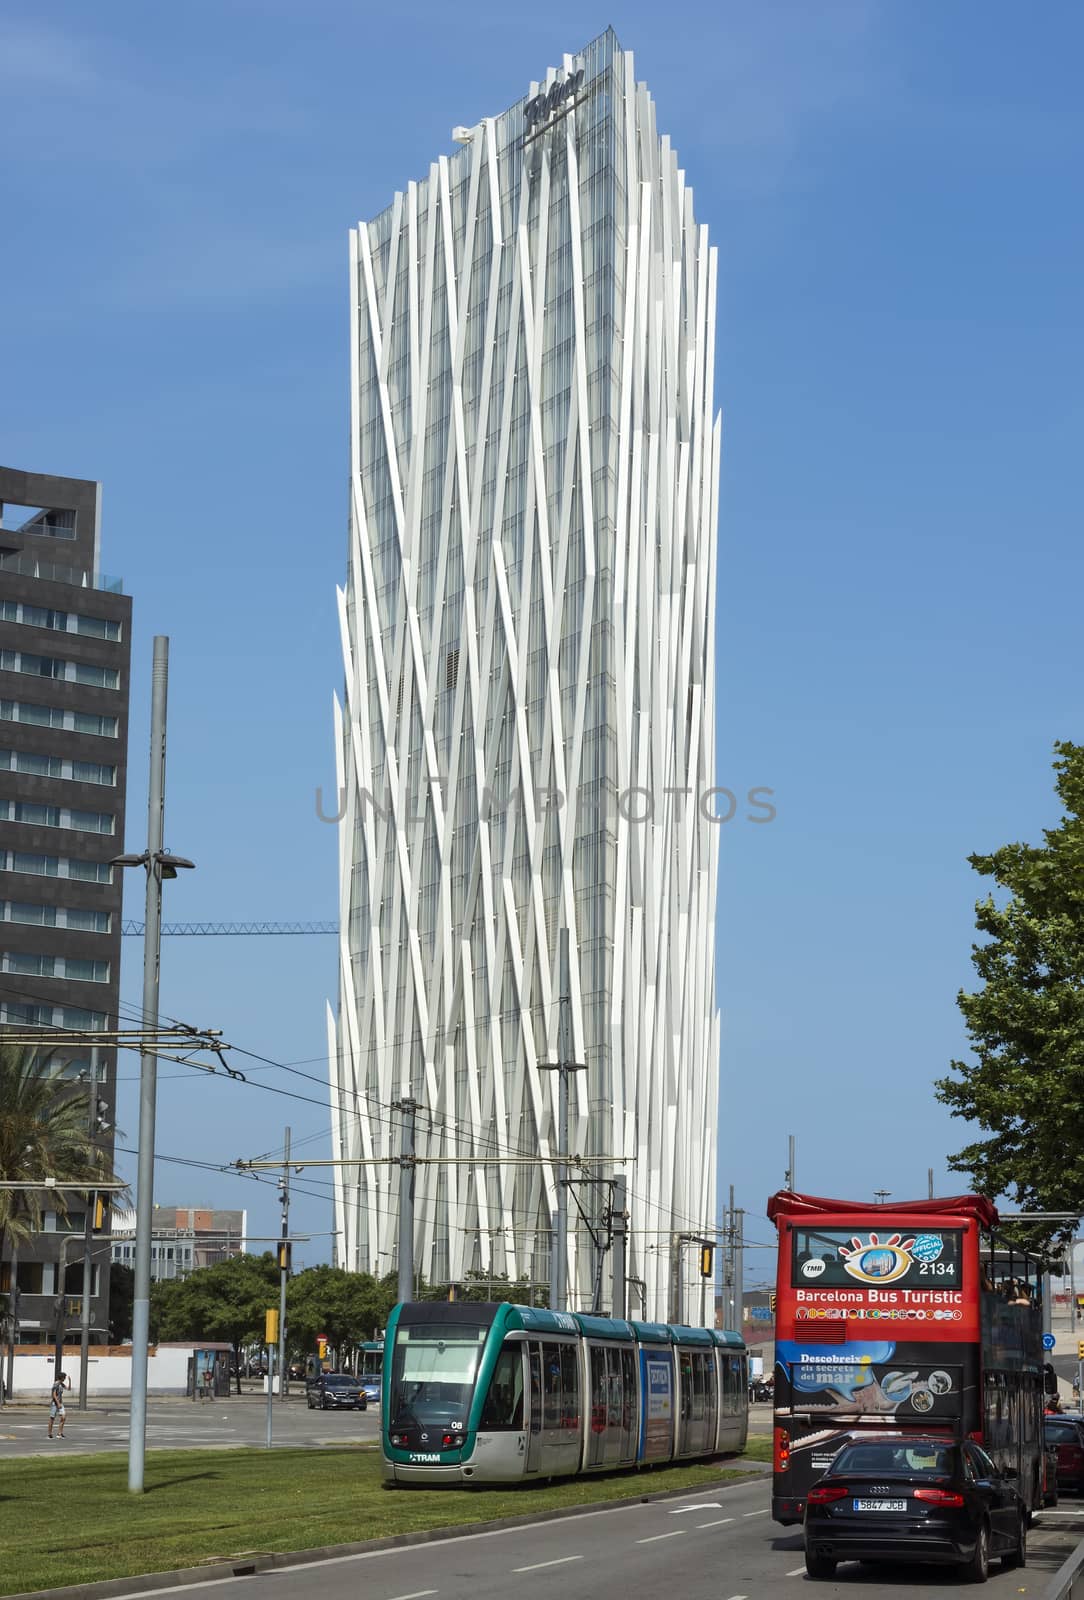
912, 1317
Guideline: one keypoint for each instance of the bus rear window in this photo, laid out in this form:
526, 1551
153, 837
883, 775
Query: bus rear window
928, 1258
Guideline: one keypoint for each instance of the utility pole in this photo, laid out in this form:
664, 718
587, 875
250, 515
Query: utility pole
732, 1258
407, 1170
563, 1066
159, 864
676, 1307
792, 1173
95, 1125
619, 1232
13, 1317
284, 1260
738, 1220
929, 1176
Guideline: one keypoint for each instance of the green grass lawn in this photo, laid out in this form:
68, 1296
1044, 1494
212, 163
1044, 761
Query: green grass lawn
73, 1521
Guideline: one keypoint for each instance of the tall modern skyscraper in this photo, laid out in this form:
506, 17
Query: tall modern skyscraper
527, 736
65, 644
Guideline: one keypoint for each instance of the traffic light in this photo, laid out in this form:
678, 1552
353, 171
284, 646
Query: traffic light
101, 1211
321, 1346
284, 1257
1080, 1349
271, 1325
707, 1260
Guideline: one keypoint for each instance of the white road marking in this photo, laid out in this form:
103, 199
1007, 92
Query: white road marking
763, 1513
416, 1595
737, 1597
708, 1505
676, 1534
716, 1524
798, 1572
534, 1567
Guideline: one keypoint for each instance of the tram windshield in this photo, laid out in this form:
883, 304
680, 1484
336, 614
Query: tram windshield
433, 1373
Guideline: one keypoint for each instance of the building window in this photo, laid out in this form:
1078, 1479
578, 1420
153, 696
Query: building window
36, 965
60, 621
46, 1016
57, 667
43, 816
57, 767
58, 717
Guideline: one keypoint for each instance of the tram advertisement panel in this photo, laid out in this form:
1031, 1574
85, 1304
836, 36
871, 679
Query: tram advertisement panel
657, 1380
868, 1381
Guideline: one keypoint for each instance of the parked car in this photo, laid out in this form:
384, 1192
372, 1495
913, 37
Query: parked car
370, 1382
914, 1498
1067, 1437
335, 1391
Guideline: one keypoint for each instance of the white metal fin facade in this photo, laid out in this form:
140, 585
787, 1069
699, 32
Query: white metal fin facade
528, 727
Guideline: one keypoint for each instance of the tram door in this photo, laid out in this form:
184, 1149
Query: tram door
612, 1419
698, 1402
534, 1445
554, 1440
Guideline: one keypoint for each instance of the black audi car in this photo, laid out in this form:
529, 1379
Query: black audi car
914, 1498
335, 1390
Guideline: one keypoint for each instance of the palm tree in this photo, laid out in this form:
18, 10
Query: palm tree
44, 1133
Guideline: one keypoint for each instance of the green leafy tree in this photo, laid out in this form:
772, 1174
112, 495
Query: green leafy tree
225, 1302
1025, 1087
490, 1286
346, 1306
43, 1134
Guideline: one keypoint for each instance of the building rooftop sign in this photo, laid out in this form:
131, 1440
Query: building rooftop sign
542, 106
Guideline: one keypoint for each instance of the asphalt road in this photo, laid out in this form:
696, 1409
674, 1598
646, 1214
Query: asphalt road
186, 1425
716, 1545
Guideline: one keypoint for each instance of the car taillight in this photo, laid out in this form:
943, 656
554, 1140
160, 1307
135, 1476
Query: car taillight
782, 1449
826, 1493
976, 1437
939, 1497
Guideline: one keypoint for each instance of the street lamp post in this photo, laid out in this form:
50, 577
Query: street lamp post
159, 864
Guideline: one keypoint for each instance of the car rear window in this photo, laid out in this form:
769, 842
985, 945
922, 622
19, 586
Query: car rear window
1061, 1433
887, 1458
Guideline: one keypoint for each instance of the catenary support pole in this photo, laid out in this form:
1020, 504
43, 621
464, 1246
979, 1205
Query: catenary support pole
792, 1171
407, 1171
13, 1318
732, 1263
283, 1254
929, 1177
563, 1066
739, 1271
619, 1226
88, 1239
148, 1069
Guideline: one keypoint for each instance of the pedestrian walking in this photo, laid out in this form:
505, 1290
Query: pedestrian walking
57, 1413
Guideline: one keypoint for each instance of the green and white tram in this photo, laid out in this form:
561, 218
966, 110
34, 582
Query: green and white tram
479, 1393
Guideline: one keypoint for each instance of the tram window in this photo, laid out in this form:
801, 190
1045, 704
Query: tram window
570, 1386
628, 1388
504, 1402
560, 1386
685, 1363
711, 1398
598, 1388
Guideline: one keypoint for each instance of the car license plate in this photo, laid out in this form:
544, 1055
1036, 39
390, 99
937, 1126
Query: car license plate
880, 1505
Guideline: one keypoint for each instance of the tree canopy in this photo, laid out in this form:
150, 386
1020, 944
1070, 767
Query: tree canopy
1025, 1086
224, 1302
44, 1133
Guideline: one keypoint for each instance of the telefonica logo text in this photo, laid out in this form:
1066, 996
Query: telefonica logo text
542, 106
636, 804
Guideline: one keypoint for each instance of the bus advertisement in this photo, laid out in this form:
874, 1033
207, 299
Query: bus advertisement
887, 1320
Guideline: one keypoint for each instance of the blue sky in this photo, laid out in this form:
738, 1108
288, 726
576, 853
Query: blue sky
895, 192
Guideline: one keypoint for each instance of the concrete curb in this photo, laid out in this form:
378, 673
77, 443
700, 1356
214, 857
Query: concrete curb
250, 1565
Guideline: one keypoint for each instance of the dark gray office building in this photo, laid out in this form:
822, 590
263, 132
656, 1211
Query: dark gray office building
65, 642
